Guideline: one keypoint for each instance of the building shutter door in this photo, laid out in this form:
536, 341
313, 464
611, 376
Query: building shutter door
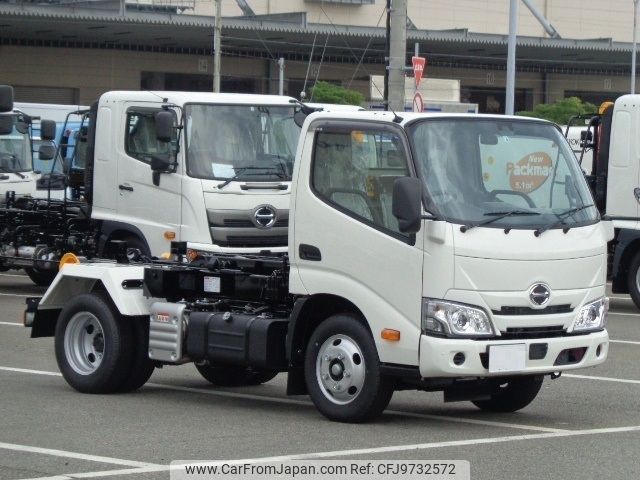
57, 95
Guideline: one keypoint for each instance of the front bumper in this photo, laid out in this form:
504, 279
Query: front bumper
437, 355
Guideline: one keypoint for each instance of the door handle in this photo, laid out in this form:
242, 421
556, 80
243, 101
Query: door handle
309, 252
126, 187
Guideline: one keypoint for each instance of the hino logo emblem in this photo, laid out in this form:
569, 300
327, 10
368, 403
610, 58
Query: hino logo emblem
539, 294
264, 216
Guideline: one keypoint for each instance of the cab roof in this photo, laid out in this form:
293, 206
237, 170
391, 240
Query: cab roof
182, 98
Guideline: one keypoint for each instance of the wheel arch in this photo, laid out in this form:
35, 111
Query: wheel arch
308, 313
111, 230
627, 245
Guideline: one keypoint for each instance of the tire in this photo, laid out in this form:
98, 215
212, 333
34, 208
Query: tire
633, 279
233, 376
133, 243
341, 352
515, 395
141, 365
93, 345
42, 278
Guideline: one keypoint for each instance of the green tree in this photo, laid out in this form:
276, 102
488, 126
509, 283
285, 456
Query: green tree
561, 111
325, 92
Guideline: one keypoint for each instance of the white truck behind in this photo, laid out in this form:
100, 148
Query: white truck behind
454, 253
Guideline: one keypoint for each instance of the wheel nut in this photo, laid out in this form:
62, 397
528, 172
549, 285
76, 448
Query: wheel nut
325, 377
340, 356
326, 358
347, 373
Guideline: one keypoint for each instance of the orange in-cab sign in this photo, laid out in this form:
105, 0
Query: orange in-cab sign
530, 172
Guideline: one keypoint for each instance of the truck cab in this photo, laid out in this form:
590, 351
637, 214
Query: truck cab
225, 181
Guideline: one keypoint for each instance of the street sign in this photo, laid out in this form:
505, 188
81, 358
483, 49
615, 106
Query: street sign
418, 103
419, 64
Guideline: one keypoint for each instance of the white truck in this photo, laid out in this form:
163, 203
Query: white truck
610, 141
221, 183
17, 174
454, 253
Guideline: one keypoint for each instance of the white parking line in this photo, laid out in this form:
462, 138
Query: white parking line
602, 379
12, 323
76, 455
12, 275
362, 451
18, 295
628, 342
625, 314
291, 401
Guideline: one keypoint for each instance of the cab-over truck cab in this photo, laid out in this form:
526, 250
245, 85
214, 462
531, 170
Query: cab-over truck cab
220, 182
455, 253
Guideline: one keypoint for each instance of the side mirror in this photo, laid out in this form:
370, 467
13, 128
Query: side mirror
48, 130
6, 98
406, 203
46, 151
160, 164
6, 124
164, 126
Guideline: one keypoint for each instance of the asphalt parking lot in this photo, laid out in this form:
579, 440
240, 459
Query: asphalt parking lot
581, 426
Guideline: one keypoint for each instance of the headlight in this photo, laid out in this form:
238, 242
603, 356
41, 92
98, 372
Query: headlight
593, 316
447, 318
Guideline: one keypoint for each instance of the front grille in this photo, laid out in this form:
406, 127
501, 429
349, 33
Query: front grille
533, 332
532, 311
241, 223
258, 241
238, 223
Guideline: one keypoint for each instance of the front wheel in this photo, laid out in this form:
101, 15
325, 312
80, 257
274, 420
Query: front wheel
514, 395
233, 376
342, 371
633, 279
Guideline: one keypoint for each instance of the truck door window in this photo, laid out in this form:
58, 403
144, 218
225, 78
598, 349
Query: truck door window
355, 170
140, 138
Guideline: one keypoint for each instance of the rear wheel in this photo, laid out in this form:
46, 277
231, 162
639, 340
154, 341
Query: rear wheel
93, 345
232, 376
42, 278
514, 395
342, 371
633, 279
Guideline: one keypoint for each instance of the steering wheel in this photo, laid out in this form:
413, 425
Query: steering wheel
527, 198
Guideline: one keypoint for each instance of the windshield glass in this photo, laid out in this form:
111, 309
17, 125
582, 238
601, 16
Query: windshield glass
476, 169
256, 143
15, 151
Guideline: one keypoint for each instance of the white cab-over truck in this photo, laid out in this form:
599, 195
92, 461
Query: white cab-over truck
610, 153
438, 252
221, 182
17, 175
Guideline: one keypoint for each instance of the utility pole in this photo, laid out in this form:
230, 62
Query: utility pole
635, 47
397, 54
281, 76
216, 46
511, 58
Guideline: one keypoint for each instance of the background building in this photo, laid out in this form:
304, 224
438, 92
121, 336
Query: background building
70, 51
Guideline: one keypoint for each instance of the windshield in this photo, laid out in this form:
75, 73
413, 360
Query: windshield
476, 169
15, 151
255, 143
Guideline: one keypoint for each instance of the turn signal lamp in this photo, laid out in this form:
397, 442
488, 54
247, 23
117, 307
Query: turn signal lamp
67, 259
169, 235
391, 335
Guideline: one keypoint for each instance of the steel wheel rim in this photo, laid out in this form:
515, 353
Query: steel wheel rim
638, 280
84, 343
340, 369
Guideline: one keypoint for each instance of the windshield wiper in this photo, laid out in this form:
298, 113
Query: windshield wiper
562, 216
6, 170
240, 171
497, 216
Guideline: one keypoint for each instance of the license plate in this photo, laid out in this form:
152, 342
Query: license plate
507, 358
